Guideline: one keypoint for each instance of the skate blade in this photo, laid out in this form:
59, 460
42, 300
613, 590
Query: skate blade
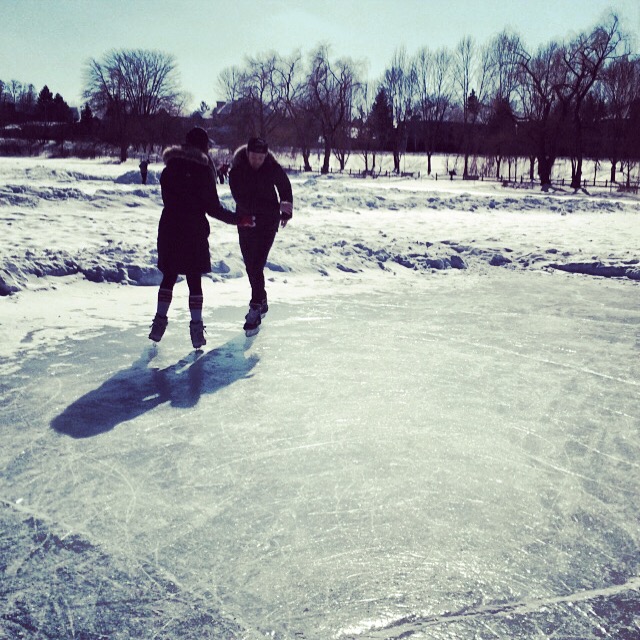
251, 332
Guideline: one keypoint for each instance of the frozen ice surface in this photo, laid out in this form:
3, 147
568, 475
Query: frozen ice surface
400, 453
453, 456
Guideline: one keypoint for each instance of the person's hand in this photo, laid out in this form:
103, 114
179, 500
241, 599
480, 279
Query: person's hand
286, 211
246, 221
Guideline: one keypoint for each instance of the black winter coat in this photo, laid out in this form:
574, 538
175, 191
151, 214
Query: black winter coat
189, 193
255, 191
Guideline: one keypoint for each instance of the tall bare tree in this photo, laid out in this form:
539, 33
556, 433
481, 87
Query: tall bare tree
297, 102
434, 91
620, 86
259, 91
472, 66
229, 83
501, 129
363, 124
400, 84
584, 58
332, 88
129, 87
539, 75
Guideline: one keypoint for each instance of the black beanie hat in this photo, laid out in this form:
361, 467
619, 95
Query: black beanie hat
198, 138
257, 145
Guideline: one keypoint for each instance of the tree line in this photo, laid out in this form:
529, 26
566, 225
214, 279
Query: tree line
578, 98
19, 102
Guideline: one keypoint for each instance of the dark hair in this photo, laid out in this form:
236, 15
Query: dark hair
198, 137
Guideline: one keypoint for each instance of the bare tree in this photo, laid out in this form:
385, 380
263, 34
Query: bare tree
229, 83
434, 93
257, 94
400, 83
503, 59
584, 59
472, 66
501, 131
27, 99
15, 89
297, 102
620, 86
130, 86
364, 125
260, 93
332, 87
539, 76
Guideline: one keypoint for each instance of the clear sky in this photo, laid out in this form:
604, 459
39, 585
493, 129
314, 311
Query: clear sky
49, 41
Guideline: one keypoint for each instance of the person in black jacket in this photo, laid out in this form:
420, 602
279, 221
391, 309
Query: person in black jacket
189, 192
261, 189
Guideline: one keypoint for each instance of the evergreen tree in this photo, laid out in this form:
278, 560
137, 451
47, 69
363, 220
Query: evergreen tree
44, 105
61, 110
86, 115
381, 120
87, 120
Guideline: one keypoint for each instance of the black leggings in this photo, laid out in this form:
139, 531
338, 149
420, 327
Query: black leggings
194, 281
255, 245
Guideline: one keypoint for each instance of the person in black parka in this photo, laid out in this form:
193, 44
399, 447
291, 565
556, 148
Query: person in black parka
189, 194
261, 189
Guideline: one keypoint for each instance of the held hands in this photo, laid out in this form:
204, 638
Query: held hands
246, 221
286, 211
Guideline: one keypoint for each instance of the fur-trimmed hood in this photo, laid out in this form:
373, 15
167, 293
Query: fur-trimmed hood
186, 152
240, 156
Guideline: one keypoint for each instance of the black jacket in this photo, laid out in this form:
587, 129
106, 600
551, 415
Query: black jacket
255, 191
189, 194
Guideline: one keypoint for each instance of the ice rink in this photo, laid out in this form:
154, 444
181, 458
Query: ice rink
447, 456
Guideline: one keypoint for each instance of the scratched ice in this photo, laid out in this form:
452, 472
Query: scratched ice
438, 458
400, 453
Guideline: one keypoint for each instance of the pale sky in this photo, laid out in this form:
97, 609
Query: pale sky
49, 41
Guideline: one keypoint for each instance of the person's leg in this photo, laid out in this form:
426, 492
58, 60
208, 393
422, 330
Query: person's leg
255, 245
165, 293
249, 247
196, 299
266, 242
196, 326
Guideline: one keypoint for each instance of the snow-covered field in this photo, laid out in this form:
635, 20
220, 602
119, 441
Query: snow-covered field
434, 435
66, 217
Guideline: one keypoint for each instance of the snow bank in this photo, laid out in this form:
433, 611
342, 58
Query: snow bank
95, 220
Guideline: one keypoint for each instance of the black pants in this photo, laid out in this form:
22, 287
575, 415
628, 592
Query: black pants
255, 244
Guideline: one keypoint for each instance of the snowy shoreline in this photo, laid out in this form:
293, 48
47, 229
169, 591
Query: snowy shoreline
67, 217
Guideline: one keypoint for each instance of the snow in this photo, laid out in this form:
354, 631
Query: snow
434, 435
105, 225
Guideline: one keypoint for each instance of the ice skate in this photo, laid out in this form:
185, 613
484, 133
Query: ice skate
196, 328
253, 319
158, 327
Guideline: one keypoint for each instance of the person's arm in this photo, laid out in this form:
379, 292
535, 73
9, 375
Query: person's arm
283, 185
216, 210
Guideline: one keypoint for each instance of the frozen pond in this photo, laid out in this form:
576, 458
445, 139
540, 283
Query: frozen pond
446, 456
